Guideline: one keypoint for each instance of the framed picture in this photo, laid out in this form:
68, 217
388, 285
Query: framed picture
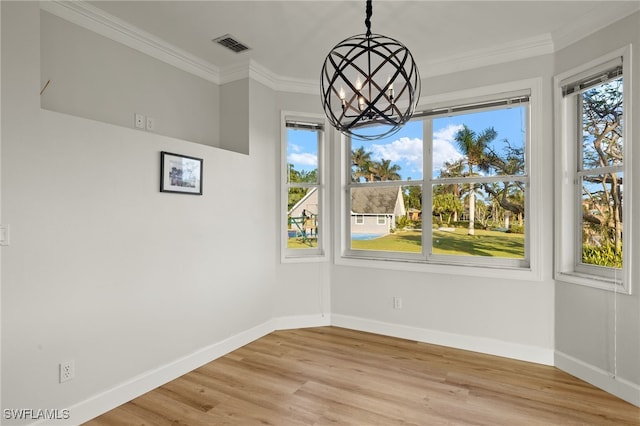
180, 173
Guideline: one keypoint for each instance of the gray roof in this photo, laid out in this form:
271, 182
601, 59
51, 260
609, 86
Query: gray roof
381, 200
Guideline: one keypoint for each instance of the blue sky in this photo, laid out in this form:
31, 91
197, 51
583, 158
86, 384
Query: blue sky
404, 148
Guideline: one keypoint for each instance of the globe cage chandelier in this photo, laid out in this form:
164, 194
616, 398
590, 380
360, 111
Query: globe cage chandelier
369, 79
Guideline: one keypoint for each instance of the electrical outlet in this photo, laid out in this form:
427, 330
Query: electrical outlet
67, 371
139, 121
397, 302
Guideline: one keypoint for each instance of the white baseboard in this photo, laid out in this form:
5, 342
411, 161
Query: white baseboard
124, 392
301, 321
118, 395
602, 379
459, 341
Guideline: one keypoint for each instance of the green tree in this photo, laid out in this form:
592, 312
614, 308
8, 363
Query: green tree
602, 146
360, 164
508, 195
383, 170
473, 147
296, 193
412, 197
446, 204
448, 170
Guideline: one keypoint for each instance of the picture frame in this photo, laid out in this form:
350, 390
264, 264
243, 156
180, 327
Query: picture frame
180, 174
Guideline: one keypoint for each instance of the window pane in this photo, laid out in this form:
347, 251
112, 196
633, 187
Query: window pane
397, 157
602, 139
479, 219
381, 221
302, 156
302, 218
488, 143
602, 219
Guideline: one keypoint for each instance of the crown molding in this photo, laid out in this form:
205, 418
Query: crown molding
586, 26
507, 52
254, 70
94, 19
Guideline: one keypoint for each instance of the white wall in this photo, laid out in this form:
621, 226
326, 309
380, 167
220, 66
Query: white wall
94, 77
105, 270
509, 317
597, 331
302, 289
136, 285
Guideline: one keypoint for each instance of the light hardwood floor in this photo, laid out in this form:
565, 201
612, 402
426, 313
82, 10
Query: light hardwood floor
335, 376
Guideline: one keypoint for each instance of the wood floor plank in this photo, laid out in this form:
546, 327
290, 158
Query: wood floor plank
334, 376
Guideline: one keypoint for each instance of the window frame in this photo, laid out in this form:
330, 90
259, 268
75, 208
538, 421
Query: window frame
568, 193
448, 264
319, 253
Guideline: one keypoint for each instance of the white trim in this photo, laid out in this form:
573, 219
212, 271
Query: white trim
507, 52
138, 385
322, 252
566, 237
472, 267
82, 13
460, 341
302, 321
142, 383
94, 19
623, 389
100, 22
585, 26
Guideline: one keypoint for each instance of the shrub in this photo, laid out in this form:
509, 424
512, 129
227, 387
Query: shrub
604, 255
516, 229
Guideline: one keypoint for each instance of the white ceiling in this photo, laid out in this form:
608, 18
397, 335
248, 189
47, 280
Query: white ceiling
292, 38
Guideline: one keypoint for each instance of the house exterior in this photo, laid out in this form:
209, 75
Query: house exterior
414, 214
307, 206
303, 216
375, 210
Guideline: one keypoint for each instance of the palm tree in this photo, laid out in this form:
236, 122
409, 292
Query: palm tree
360, 164
453, 169
384, 170
473, 147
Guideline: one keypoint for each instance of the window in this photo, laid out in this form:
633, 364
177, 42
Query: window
452, 187
593, 196
303, 192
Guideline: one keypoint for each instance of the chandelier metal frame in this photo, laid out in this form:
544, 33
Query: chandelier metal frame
369, 79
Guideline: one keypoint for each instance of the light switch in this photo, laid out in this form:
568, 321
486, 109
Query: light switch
4, 235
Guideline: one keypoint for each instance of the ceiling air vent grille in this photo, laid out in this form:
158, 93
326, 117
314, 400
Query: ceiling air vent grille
231, 43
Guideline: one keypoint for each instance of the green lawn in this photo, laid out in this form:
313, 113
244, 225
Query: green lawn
483, 243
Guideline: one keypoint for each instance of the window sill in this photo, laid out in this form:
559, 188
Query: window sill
306, 258
501, 272
601, 283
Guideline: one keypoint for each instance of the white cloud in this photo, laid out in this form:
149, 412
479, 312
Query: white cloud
404, 150
444, 147
303, 159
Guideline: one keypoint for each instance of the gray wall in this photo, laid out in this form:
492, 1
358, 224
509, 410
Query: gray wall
596, 331
94, 77
498, 315
130, 282
102, 267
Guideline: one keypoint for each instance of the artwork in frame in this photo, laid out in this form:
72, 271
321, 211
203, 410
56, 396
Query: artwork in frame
180, 173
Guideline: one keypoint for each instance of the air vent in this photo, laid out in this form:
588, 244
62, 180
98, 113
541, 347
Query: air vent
231, 43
